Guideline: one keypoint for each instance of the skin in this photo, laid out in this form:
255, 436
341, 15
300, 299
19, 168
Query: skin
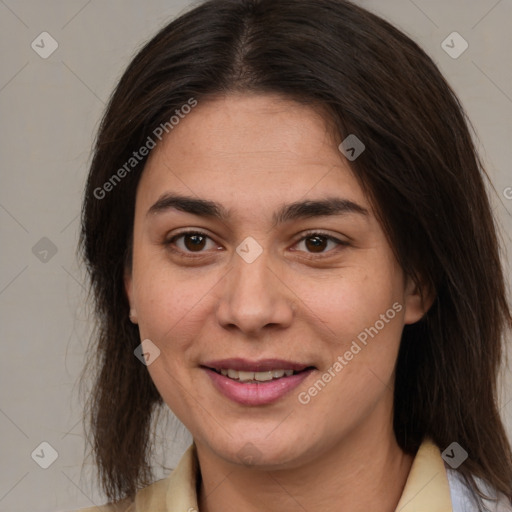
253, 153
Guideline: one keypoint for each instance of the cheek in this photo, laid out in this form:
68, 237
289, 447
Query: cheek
349, 302
359, 317
169, 310
358, 323
168, 299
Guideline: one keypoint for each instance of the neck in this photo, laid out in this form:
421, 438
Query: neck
365, 471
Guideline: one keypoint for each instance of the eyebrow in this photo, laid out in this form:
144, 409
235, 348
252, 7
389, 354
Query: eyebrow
294, 211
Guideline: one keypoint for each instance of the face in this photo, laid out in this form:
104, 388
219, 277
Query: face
288, 273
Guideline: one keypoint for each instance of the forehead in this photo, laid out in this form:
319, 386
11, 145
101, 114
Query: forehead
250, 150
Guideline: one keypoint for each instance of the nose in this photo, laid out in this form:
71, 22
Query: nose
254, 298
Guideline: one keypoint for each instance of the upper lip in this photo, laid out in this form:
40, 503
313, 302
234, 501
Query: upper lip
262, 365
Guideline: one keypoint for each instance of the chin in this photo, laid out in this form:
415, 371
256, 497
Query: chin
261, 453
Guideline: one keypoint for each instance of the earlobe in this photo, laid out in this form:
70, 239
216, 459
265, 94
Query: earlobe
128, 289
418, 300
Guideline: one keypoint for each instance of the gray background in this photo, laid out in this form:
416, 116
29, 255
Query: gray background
50, 109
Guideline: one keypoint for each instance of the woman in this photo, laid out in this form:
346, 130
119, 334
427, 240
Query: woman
290, 246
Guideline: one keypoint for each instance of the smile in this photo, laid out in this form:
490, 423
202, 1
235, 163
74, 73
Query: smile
256, 383
243, 376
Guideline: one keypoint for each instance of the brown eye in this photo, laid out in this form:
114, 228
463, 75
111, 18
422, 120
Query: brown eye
193, 242
318, 243
190, 241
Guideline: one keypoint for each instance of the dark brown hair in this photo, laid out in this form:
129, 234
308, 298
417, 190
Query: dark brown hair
420, 170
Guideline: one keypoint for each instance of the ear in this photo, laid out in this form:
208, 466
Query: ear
128, 287
418, 299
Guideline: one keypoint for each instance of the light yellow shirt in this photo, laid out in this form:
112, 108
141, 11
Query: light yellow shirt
426, 489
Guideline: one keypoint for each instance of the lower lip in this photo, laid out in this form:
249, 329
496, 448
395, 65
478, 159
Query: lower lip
256, 393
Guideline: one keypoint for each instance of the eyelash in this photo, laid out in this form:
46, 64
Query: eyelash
310, 234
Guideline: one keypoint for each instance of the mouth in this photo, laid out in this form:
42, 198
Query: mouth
256, 382
264, 370
254, 377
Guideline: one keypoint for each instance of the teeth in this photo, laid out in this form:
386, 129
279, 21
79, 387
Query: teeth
255, 376
244, 376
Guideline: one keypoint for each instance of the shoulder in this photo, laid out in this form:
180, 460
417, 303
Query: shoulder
125, 505
464, 500
152, 497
